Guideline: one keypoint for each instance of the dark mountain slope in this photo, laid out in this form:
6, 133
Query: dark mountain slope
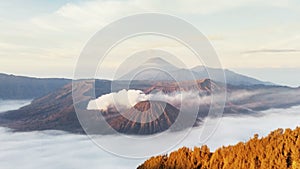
55, 111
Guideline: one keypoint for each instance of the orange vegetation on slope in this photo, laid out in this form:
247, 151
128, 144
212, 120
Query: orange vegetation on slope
279, 150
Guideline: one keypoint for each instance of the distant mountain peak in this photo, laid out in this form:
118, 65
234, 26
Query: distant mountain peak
158, 69
149, 70
159, 63
156, 59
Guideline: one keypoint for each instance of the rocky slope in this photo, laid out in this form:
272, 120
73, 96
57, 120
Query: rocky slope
203, 85
146, 117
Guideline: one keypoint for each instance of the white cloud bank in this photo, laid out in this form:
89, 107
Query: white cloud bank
7, 105
125, 99
55, 149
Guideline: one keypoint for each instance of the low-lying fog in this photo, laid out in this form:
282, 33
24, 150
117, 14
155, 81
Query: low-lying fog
55, 149
6, 105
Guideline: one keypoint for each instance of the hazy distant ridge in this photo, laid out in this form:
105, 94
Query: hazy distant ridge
21, 87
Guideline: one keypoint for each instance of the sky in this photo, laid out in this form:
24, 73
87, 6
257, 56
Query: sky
257, 38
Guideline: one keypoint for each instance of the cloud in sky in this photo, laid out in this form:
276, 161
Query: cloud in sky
271, 51
52, 38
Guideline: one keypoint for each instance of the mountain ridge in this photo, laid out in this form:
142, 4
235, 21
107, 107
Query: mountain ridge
158, 69
56, 109
22, 87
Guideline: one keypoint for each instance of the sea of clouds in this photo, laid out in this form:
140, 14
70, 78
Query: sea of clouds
6, 105
60, 150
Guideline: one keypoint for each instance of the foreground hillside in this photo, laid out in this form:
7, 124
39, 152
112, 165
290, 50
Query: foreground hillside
279, 150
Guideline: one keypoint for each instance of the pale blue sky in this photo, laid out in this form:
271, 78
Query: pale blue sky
44, 38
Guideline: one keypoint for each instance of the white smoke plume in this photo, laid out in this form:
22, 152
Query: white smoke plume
125, 99
246, 99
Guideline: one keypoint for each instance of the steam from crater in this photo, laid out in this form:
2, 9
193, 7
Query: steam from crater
125, 99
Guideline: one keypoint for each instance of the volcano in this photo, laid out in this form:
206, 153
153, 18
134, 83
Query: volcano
146, 117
